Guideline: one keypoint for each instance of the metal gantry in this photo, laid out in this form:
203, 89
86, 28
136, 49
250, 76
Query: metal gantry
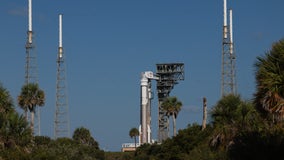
61, 122
169, 74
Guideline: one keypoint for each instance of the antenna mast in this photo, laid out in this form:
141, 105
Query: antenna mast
31, 73
228, 83
61, 122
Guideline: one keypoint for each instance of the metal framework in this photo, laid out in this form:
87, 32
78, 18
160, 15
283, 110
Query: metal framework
169, 74
31, 76
61, 122
228, 83
228, 70
31, 62
31, 69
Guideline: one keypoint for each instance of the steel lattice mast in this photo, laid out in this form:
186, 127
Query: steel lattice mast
31, 72
61, 122
228, 82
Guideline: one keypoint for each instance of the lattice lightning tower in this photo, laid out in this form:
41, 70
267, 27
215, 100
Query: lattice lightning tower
31, 73
61, 122
228, 83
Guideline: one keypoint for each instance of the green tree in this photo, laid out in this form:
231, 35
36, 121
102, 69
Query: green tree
172, 106
189, 144
88, 148
15, 135
83, 136
6, 108
224, 119
30, 97
18, 130
269, 96
230, 116
6, 102
133, 133
224, 112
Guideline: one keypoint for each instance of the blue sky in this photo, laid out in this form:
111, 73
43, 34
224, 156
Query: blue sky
109, 43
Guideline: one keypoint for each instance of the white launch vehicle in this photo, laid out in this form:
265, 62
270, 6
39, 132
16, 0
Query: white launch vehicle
145, 111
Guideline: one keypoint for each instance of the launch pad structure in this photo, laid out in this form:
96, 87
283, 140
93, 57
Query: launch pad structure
169, 74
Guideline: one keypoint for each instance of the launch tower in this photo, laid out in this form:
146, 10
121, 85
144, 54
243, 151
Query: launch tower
169, 74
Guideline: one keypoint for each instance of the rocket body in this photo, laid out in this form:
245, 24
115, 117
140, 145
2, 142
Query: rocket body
145, 109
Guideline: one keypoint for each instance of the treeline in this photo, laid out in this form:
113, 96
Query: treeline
18, 143
237, 132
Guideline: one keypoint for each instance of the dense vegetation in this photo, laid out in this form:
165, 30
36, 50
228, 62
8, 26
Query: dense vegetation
237, 132
18, 143
239, 129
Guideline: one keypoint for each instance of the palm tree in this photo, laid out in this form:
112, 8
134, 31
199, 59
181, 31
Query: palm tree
83, 136
172, 106
6, 102
224, 119
133, 133
18, 129
230, 116
6, 107
14, 129
30, 97
269, 97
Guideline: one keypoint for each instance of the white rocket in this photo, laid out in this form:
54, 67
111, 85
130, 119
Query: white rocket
145, 116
